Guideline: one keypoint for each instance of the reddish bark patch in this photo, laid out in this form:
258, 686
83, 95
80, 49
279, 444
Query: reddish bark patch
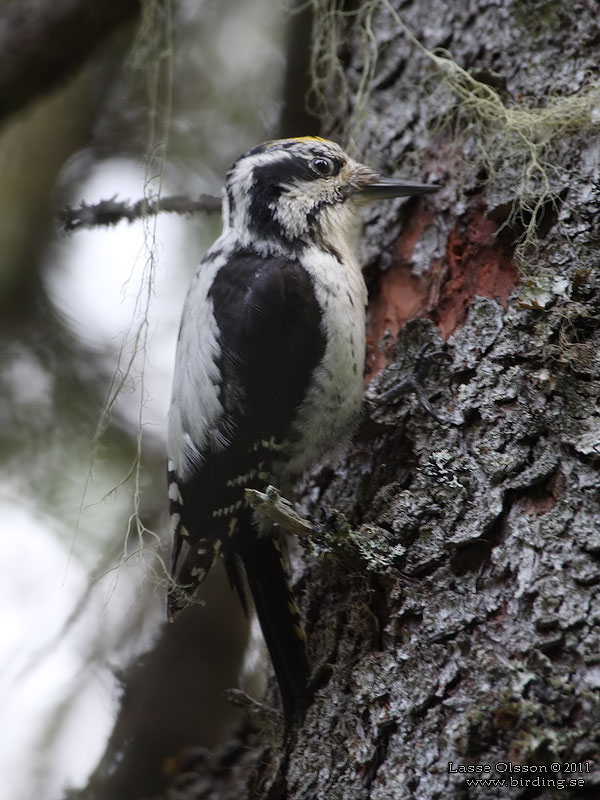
475, 263
538, 505
539, 501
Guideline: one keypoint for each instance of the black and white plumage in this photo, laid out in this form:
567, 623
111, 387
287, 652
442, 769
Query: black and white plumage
269, 372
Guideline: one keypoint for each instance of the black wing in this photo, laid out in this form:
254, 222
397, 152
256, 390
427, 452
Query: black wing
271, 339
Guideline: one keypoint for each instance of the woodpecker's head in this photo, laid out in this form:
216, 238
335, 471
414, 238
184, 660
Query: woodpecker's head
302, 191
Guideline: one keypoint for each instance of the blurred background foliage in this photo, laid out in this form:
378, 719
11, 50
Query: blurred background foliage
162, 105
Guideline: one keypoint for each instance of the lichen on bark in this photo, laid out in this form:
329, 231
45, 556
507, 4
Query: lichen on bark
477, 641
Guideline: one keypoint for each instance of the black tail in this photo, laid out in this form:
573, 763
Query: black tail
280, 622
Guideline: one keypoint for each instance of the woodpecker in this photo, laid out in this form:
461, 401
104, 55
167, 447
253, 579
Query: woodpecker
268, 373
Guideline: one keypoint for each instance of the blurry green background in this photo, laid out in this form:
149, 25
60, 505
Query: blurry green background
82, 590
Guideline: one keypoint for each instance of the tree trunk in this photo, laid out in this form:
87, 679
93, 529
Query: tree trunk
451, 595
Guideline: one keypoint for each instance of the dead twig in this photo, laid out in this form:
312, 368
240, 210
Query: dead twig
109, 212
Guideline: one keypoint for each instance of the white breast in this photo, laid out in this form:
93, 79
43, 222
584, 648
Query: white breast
328, 416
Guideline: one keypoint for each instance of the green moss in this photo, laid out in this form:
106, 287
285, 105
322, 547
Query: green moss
535, 16
369, 548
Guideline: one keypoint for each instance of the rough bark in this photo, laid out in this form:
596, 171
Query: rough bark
489, 654
451, 593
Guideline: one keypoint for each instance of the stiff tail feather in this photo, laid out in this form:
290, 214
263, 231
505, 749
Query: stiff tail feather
280, 622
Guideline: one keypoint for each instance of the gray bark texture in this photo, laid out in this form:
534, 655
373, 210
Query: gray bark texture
450, 589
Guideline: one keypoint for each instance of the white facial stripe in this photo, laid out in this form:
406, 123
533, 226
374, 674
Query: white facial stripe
240, 184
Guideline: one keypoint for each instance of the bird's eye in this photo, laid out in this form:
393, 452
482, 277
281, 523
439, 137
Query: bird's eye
323, 166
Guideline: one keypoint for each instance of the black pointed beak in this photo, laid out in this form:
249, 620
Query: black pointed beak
381, 188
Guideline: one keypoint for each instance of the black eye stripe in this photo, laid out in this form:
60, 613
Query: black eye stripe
281, 173
271, 177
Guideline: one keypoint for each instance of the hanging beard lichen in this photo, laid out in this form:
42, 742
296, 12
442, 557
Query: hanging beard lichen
511, 143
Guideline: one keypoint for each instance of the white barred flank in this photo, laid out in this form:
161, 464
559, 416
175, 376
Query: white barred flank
267, 444
195, 405
240, 480
228, 510
174, 493
198, 572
